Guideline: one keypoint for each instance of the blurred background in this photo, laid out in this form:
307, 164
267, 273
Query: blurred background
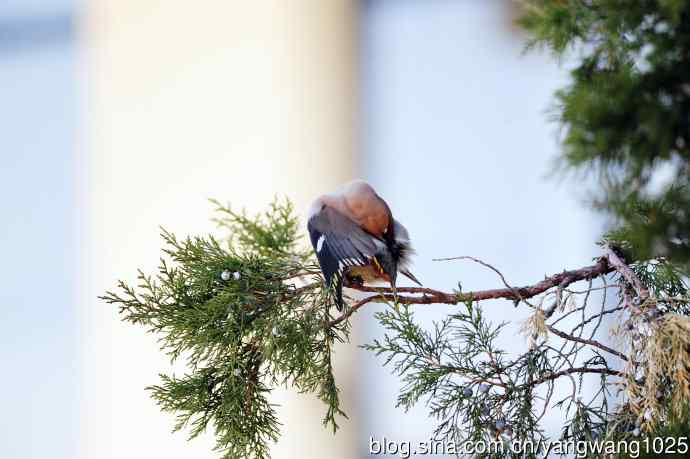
118, 116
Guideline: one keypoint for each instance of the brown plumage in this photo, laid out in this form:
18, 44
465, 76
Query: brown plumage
358, 201
356, 237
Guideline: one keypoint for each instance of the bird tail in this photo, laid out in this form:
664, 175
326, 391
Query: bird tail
339, 293
402, 252
410, 276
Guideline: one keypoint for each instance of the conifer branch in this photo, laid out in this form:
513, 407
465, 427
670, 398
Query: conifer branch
575, 370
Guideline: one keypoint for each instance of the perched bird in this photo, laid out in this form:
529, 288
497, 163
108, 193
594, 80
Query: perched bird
356, 238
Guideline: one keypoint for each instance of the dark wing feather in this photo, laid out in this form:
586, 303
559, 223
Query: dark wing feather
339, 242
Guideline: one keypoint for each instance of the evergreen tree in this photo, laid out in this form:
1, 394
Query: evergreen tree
626, 112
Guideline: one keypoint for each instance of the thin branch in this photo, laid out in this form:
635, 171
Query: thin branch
594, 316
590, 342
483, 263
571, 371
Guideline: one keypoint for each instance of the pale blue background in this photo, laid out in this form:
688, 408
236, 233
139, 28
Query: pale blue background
456, 137
38, 235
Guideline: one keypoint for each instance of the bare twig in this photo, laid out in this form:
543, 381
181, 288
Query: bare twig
590, 342
483, 263
574, 370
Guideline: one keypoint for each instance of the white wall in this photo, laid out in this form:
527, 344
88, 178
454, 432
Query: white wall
234, 100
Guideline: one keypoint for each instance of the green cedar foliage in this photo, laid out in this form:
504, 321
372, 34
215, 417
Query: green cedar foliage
235, 312
626, 111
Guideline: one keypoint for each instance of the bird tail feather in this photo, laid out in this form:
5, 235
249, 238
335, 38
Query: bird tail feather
410, 276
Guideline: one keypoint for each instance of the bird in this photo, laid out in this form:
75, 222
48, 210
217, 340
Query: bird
357, 240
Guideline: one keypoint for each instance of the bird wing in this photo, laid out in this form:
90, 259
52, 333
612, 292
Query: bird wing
339, 243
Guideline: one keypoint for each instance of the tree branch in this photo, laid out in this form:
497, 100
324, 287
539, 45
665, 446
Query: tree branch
431, 296
573, 370
620, 266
